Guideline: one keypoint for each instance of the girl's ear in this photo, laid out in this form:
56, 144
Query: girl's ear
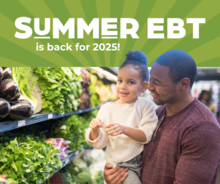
144, 88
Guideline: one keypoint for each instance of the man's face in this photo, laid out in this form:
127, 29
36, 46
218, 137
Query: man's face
163, 90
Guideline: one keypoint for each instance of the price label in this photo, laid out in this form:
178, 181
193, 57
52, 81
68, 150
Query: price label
21, 123
67, 160
50, 116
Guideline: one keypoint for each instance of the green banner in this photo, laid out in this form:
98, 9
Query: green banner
101, 32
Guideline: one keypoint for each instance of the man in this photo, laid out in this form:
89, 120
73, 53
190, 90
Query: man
185, 147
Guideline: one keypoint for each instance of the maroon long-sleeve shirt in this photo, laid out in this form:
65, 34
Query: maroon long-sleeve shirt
186, 148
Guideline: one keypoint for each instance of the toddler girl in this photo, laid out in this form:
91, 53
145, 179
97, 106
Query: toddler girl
127, 124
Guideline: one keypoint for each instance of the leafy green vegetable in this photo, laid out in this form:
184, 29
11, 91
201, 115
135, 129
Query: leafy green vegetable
84, 177
94, 98
60, 88
73, 129
72, 174
21, 76
70, 128
99, 177
27, 159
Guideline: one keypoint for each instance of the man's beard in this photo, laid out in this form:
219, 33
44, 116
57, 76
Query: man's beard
159, 102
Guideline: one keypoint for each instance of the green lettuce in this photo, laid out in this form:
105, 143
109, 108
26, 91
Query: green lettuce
60, 88
74, 131
21, 76
28, 159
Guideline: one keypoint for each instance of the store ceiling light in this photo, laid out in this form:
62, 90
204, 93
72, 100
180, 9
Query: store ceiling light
103, 73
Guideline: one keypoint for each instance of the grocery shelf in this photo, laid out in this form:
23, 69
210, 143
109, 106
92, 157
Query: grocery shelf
11, 125
67, 160
70, 157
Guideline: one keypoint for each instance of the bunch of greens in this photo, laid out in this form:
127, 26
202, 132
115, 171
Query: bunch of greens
94, 98
72, 174
73, 129
99, 177
60, 88
27, 159
21, 76
70, 128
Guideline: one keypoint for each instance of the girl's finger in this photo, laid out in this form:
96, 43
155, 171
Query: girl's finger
112, 132
93, 120
96, 124
115, 127
92, 127
116, 133
100, 124
108, 126
109, 129
93, 124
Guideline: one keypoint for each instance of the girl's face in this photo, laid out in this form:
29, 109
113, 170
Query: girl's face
129, 84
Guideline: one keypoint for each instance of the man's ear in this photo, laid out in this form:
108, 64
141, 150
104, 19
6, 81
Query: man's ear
144, 87
184, 83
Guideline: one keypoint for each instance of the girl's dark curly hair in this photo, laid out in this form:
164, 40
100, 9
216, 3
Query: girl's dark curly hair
138, 60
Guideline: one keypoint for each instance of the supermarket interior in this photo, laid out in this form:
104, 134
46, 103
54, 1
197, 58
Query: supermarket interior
45, 112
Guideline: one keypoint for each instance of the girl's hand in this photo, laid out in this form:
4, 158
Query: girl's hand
114, 129
95, 124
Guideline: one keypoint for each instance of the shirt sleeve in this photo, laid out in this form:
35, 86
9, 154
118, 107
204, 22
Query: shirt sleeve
102, 139
200, 154
148, 121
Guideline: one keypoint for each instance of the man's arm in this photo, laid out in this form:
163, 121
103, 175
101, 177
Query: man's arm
200, 154
115, 175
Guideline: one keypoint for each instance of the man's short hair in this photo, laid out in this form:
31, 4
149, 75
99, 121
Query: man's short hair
181, 65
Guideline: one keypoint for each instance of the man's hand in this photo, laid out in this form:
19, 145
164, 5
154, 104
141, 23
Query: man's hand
116, 175
114, 129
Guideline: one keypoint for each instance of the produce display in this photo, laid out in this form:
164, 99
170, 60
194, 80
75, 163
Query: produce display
11, 105
60, 86
24, 91
85, 95
61, 89
27, 159
105, 92
5, 108
5, 73
94, 97
9, 90
101, 92
6, 180
73, 129
21, 109
72, 174
61, 145
21, 75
